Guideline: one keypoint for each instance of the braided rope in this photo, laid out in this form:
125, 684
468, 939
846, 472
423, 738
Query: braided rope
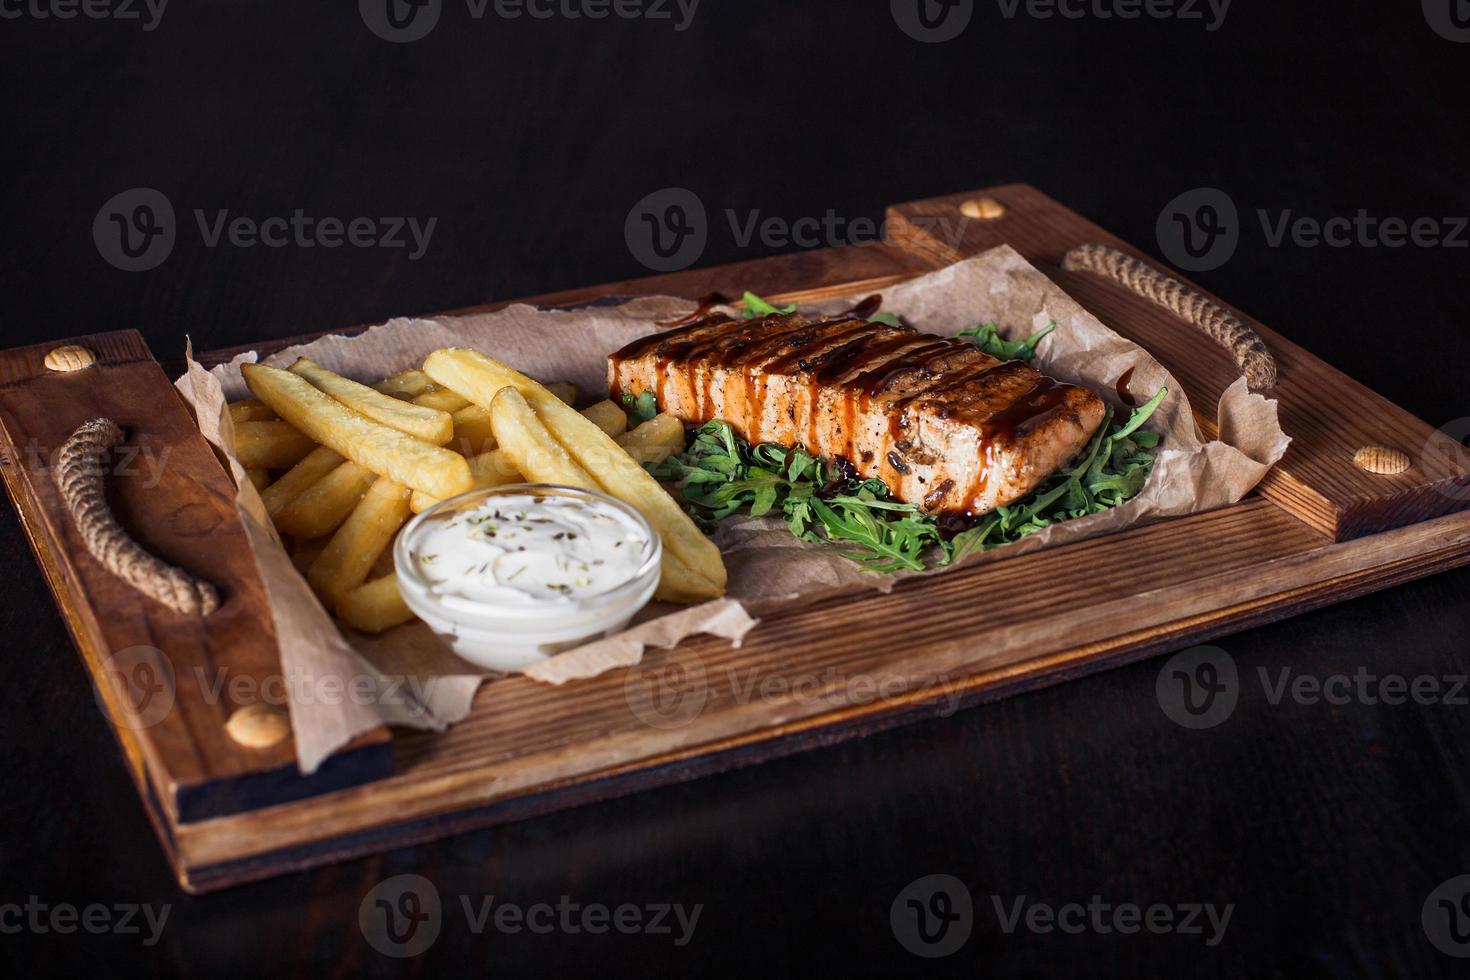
79, 472
1222, 326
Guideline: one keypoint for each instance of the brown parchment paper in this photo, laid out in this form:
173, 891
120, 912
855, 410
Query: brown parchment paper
414, 680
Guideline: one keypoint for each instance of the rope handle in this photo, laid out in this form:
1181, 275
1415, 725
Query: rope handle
1225, 328
79, 473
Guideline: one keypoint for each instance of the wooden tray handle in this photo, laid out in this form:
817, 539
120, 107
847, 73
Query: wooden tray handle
79, 473
1222, 326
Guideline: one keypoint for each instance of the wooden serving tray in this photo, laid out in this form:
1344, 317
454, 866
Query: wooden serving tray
1318, 530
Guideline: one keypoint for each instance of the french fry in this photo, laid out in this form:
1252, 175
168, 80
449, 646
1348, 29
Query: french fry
319, 509
317, 464
407, 385
523, 437
375, 607
492, 469
253, 410
473, 433
260, 479
428, 424
564, 390
655, 440
380, 448
699, 572
444, 401
608, 417
344, 564
270, 445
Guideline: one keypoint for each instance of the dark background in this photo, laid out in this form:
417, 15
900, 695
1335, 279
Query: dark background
1327, 827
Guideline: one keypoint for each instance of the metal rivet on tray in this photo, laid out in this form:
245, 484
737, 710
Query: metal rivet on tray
70, 358
258, 726
982, 208
1379, 459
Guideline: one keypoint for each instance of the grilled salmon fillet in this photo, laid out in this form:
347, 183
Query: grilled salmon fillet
942, 424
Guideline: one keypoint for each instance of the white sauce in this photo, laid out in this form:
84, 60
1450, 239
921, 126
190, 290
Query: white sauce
528, 548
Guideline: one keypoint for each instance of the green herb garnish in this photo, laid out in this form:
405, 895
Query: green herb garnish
987, 337
640, 409
755, 308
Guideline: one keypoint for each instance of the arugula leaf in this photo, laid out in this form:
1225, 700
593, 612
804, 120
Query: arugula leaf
987, 337
887, 319
640, 409
755, 308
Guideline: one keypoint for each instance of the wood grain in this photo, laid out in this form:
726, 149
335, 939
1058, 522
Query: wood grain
1328, 415
180, 676
837, 669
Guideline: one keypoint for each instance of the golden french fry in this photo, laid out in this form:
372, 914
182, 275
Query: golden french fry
700, 572
270, 445
608, 417
260, 479
319, 509
492, 469
348, 558
523, 437
564, 390
428, 424
407, 385
655, 440
473, 433
317, 464
380, 448
252, 410
375, 607
444, 401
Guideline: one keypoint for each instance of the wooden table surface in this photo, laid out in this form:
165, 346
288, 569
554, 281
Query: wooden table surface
1325, 827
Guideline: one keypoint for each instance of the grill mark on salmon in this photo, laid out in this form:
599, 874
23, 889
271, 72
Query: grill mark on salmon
942, 424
